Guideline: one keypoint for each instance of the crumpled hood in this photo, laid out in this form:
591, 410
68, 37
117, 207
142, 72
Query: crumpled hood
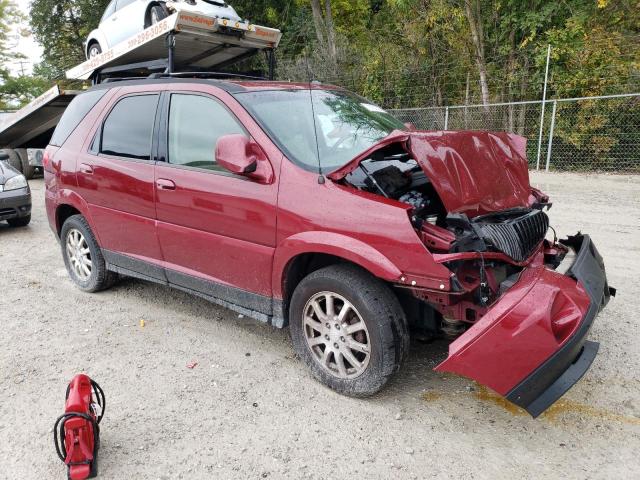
473, 172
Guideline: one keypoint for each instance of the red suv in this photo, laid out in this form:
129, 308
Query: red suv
308, 206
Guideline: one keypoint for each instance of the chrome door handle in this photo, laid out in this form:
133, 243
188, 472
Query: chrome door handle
164, 184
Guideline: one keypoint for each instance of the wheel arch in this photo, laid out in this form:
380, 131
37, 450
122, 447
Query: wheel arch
70, 203
147, 12
305, 253
95, 37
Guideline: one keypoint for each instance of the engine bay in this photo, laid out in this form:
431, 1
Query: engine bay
498, 244
392, 173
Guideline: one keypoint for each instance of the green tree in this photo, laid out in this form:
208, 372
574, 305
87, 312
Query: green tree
61, 27
14, 91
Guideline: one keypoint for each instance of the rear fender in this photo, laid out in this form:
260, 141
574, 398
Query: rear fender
71, 198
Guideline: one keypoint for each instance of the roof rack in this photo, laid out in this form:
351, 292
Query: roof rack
200, 74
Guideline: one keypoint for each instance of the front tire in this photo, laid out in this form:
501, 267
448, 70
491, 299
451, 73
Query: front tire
349, 328
82, 256
94, 50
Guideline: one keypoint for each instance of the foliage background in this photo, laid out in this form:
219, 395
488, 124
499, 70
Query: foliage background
412, 53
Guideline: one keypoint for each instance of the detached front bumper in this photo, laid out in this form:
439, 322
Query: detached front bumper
531, 345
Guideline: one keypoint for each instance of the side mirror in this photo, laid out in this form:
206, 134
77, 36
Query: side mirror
410, 127
243, 156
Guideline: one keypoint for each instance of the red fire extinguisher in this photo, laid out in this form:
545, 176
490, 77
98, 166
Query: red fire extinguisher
76, 433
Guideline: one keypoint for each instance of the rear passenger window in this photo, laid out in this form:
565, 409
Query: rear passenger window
74, 114
128, 129
195, 124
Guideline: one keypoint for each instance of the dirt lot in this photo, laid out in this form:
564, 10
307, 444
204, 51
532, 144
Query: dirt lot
249, 409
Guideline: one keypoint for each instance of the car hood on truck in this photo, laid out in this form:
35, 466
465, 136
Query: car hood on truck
473, 172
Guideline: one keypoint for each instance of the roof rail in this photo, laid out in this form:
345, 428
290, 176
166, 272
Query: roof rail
201, 74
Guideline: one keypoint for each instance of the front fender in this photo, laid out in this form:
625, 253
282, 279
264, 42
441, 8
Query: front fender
98, 36
330, 243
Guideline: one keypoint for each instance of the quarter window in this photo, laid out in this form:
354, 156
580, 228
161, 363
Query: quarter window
195, 125
74, 114
128, 129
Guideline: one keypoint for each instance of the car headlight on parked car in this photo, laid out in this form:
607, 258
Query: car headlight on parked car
15, 183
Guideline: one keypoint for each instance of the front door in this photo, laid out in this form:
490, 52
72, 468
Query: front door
116, 179
217, 230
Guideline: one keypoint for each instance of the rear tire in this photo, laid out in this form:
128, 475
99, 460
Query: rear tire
19, 222
381, 344
83, 257
27, 170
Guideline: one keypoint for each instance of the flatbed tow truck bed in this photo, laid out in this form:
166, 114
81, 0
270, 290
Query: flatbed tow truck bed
191, 40
183, 41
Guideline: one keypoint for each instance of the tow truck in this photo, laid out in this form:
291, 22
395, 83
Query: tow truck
181, 44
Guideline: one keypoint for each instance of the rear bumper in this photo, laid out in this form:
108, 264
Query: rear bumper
519, 348
15, 204
561, 371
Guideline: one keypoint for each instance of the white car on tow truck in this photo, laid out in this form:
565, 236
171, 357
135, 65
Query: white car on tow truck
124, 18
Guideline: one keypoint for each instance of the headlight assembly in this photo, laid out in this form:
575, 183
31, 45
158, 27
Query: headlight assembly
14, 183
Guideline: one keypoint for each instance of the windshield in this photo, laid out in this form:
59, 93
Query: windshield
346, 124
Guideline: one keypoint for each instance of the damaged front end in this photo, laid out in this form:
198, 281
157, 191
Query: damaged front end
517, 305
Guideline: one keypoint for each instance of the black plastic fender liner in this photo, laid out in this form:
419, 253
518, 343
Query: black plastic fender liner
563, 369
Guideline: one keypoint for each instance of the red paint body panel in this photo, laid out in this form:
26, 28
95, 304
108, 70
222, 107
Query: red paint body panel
340, 221
515, 336
210, 225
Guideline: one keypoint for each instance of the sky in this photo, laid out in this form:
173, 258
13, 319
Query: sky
25, 45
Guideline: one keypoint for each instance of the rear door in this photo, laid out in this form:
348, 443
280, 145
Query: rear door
116, 178
217, 230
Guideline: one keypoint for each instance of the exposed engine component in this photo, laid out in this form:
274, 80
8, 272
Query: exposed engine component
516, 233
389, 180
414, 198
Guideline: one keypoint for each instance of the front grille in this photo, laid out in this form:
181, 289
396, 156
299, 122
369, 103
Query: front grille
516, 237
7, 211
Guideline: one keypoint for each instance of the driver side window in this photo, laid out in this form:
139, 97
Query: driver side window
196, 123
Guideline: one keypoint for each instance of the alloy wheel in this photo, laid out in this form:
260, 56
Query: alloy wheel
336, 335
79, 254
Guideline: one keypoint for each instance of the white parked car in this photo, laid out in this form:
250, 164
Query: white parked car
124, 18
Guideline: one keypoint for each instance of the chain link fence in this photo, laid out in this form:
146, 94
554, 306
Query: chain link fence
579, 134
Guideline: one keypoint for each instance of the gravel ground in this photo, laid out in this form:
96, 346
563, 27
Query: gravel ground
249, 409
